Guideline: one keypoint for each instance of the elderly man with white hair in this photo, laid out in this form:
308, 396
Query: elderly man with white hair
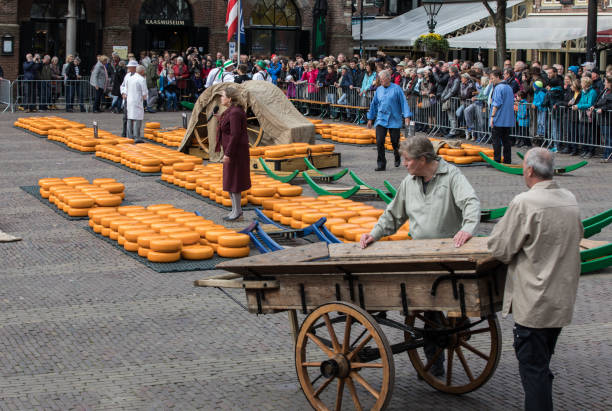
135, 93
539, 238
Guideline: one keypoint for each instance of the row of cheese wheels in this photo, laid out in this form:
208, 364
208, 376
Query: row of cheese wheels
172, 138
146, 157
42, 125
293, 150
82, 139
467, 154
163, 233
346, 219
207, 180
344, 133
76, 195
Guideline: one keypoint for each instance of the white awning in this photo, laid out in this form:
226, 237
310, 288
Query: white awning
544, 32
403, 30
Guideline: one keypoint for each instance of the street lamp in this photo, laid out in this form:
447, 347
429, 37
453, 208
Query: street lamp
432, 7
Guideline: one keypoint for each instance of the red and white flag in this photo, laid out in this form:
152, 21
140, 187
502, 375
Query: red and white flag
231, 18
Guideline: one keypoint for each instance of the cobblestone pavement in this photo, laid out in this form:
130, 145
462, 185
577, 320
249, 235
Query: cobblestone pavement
83, 326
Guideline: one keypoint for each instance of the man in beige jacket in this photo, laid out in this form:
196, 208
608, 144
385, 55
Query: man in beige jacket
539, 238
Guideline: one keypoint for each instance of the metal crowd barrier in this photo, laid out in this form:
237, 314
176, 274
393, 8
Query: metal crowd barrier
5, 95
45, 94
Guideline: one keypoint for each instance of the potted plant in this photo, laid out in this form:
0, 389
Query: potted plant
432, 43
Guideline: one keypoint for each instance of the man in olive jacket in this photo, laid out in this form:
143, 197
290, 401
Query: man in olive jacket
152, 77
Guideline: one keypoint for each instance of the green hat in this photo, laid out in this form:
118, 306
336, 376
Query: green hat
219, 63
262, 64
227, 64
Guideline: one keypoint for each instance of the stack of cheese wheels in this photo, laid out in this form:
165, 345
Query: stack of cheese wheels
82, 139
146, 158
163, 233
76, 195
207, 180
467, 154
293, 150
149, 129
345, 133
42, 125
170, 138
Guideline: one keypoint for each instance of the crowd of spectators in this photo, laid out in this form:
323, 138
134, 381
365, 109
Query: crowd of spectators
549, 100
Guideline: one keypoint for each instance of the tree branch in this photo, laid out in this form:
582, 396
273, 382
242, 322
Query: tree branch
489, 9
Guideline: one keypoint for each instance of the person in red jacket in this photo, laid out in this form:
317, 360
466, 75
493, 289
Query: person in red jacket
181, 72
232, 136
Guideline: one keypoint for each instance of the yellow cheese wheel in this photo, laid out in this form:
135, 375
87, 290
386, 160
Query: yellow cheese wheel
263, 191
455, 152
375, 212
152, 124
289, 191
344, 214
98, 181
213, 235
197, 252
108, 200
161, 257
143, 252
186, 237
157, 207
311, 218
234, 240
463, 160
126, 209
113, 235
164, 224
149, 169
400, 235
77, 212
171, 230
132, 235
354, 234
338, 229
81, 202
105, 231
130, 246
169, 245
122, 228
229, 252
186, 166
113, 188
362, 219
145, 240
101, 210
97, 218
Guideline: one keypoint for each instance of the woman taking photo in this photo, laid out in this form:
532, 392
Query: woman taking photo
232, 136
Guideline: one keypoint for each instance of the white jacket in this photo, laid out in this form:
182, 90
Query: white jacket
135, 87
262, 75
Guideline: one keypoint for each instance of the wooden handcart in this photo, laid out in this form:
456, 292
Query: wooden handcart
438, 301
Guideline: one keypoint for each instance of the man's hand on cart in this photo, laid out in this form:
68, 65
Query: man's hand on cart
460, 238
366, 240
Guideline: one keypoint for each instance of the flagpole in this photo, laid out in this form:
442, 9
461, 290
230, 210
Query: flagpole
238, 34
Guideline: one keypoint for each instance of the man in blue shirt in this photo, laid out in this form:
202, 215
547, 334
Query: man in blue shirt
388, 107
502, 116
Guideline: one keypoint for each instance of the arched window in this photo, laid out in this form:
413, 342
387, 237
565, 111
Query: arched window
275, 13
169, 10
54, 9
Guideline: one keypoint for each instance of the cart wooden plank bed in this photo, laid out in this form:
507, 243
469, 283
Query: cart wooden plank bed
447, 297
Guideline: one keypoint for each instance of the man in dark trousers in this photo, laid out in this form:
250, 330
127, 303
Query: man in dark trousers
502, 117
539, 238
388, 107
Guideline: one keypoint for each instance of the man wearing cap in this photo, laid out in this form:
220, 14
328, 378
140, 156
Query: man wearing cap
223, 73
135, 93
262, 74
388, 107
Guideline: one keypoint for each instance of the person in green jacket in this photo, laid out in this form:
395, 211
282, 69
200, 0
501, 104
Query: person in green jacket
152, 77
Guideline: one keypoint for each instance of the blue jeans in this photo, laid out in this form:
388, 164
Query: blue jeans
171, 100
541, 123
554, 130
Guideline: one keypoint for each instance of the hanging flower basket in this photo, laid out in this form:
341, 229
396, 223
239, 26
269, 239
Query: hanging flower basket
432, 42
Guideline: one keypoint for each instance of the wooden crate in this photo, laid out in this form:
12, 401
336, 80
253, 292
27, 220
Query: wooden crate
331, 160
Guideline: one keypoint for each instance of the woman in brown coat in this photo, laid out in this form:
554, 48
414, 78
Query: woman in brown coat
232, 136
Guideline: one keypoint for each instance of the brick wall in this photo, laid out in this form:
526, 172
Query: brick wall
8, 25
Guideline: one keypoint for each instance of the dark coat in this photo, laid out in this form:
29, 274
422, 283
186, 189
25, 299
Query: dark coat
31, 70
232, 136
118, 80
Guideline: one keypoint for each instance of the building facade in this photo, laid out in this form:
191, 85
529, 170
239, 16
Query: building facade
272, 26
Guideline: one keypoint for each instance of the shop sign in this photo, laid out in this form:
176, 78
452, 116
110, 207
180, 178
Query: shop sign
165, 22
122, 51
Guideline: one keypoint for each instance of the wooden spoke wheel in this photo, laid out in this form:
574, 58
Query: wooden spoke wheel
456, 363
255, 131
342, 358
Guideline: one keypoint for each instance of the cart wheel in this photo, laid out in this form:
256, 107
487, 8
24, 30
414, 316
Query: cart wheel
456, 363
338, 348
